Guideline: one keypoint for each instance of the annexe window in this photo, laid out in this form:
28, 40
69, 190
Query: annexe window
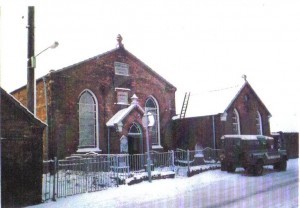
151, 106
258, 124
236, 122
88, 125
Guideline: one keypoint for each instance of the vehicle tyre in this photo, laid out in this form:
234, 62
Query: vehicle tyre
276, 166
258, 169
250, 170
223, 166
282, 165
230, 167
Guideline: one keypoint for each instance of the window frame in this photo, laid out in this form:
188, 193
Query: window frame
94, 147
258, 123
236, 124
156, 145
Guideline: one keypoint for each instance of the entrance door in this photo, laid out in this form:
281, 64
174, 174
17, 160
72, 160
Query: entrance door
135, 139
133, 145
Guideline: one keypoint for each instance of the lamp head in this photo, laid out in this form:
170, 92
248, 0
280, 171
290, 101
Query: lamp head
54, 45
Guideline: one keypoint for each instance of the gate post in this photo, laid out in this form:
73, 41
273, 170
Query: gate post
188, 161
173, 160
55, 163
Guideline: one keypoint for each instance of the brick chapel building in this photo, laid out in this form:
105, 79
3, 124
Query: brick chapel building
234, 110
98, 105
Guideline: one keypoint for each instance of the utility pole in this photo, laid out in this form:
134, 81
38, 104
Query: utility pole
30, 62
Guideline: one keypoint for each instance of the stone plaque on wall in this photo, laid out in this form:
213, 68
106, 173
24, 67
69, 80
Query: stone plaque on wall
121, 69
122, 97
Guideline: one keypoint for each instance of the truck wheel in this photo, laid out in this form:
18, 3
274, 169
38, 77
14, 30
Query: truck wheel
282, 165
276, 166
258, 169
223, 166
250, 170
230, 168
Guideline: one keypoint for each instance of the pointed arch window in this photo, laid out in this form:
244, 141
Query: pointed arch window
88, 122
258, 124
236, 122
134, 130
151, 106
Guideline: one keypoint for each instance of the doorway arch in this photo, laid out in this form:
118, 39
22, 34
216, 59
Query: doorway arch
135, 139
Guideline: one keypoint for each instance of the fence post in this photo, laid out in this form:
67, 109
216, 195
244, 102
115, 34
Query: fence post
54, 176
188, 161
173, 160
86, 165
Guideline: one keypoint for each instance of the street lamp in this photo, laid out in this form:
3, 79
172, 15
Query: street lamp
33, 58
148, 121
31, 77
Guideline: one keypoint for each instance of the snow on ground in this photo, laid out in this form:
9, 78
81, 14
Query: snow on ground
145, 191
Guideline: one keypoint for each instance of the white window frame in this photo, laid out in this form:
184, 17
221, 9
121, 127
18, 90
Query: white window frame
259, 129
96, 148
237, 123
158, 145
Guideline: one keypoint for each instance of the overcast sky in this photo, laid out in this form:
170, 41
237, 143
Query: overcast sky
196, 45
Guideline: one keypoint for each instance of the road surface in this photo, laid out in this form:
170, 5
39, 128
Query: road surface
273, 189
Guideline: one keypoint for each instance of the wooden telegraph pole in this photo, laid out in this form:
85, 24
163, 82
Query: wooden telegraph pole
30, 62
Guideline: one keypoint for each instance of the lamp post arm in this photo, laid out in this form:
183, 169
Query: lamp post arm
54, 45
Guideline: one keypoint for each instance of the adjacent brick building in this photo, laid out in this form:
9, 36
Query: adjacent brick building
235, 110
21, 154
98, 105
288, 141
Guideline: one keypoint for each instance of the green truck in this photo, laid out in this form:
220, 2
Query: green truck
251, 152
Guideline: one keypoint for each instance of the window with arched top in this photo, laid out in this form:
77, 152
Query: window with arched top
88, 124
134, 129
258, 124
151, 106
236, 129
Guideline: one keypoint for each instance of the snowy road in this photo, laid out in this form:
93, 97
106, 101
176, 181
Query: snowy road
209, 189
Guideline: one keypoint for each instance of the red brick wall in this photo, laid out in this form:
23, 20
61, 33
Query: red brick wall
247, 110
190, 131
21, 155
97, 74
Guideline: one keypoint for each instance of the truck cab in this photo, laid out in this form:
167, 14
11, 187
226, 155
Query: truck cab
251, 152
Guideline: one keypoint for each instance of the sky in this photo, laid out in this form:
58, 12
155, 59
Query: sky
197, 46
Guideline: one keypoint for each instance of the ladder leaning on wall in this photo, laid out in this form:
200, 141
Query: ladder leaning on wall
185, 105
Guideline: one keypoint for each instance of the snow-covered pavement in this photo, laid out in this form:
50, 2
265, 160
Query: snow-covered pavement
209, 189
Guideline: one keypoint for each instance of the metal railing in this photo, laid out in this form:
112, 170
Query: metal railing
95, 172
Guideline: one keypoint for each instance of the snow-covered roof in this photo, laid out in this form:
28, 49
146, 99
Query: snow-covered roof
121, 114
212, 102
246, 137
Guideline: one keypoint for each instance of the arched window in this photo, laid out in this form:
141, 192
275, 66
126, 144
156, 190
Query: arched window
88, 124
151, 106
236, 122
258, 124
134, 130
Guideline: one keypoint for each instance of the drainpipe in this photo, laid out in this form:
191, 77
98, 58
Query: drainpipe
46, 106
108, 138
214, 132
